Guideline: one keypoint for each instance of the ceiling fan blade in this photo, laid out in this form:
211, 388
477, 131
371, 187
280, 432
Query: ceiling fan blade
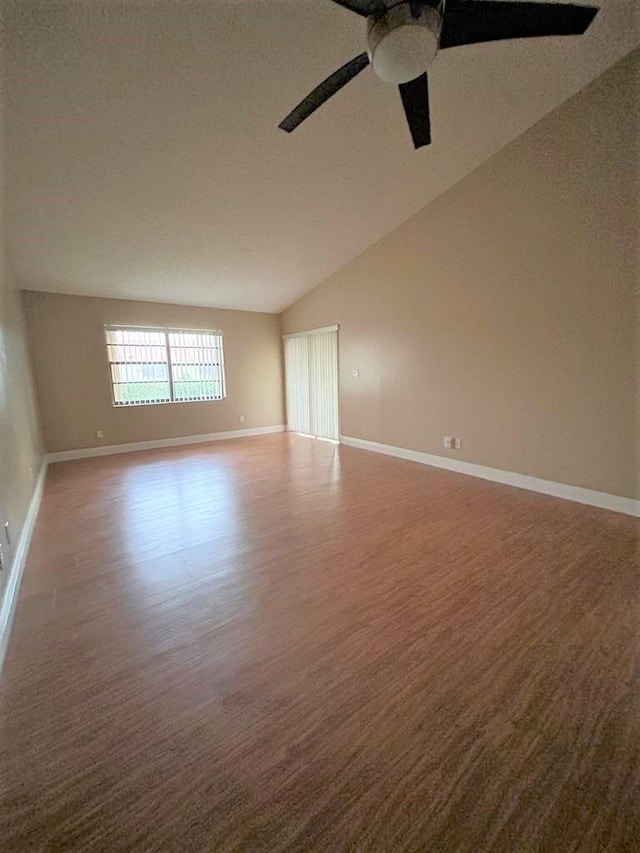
472, 21
362, 7
415, 100
324, 91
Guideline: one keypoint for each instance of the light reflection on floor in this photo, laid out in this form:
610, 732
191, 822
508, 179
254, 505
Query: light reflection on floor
167, 512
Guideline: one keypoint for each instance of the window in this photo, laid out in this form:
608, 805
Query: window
164, 365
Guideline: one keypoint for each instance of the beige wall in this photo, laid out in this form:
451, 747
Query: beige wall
20, 449
503, 312
72, 377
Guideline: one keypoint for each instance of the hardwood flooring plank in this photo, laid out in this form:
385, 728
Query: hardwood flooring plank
276, 644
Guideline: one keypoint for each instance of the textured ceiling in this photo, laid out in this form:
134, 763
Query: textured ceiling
145, 159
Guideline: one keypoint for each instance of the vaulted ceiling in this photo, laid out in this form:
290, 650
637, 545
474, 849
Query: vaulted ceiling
145, 159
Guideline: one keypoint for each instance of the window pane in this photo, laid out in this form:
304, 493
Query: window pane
196, 365
139, 366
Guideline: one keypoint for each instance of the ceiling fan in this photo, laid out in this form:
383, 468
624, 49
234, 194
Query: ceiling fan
404, 37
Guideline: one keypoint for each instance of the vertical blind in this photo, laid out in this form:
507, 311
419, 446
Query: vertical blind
311, 375
296, 361
164, 365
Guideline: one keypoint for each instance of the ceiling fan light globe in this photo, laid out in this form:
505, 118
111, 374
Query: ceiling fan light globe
404, 54
401, 47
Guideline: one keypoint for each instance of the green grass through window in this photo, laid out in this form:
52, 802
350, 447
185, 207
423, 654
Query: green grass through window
156, 392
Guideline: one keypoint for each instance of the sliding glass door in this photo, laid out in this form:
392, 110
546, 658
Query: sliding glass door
311, 375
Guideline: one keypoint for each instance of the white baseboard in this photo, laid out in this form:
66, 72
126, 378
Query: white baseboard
111, 449
10, 598
628, 506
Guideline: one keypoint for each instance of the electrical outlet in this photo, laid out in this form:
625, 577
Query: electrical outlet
7, 535
241, 419
448, 442
457, 443
355, 373
99, 433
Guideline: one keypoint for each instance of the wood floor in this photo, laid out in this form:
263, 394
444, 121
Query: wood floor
275, 644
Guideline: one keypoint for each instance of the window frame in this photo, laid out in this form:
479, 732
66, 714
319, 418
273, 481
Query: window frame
166, 331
